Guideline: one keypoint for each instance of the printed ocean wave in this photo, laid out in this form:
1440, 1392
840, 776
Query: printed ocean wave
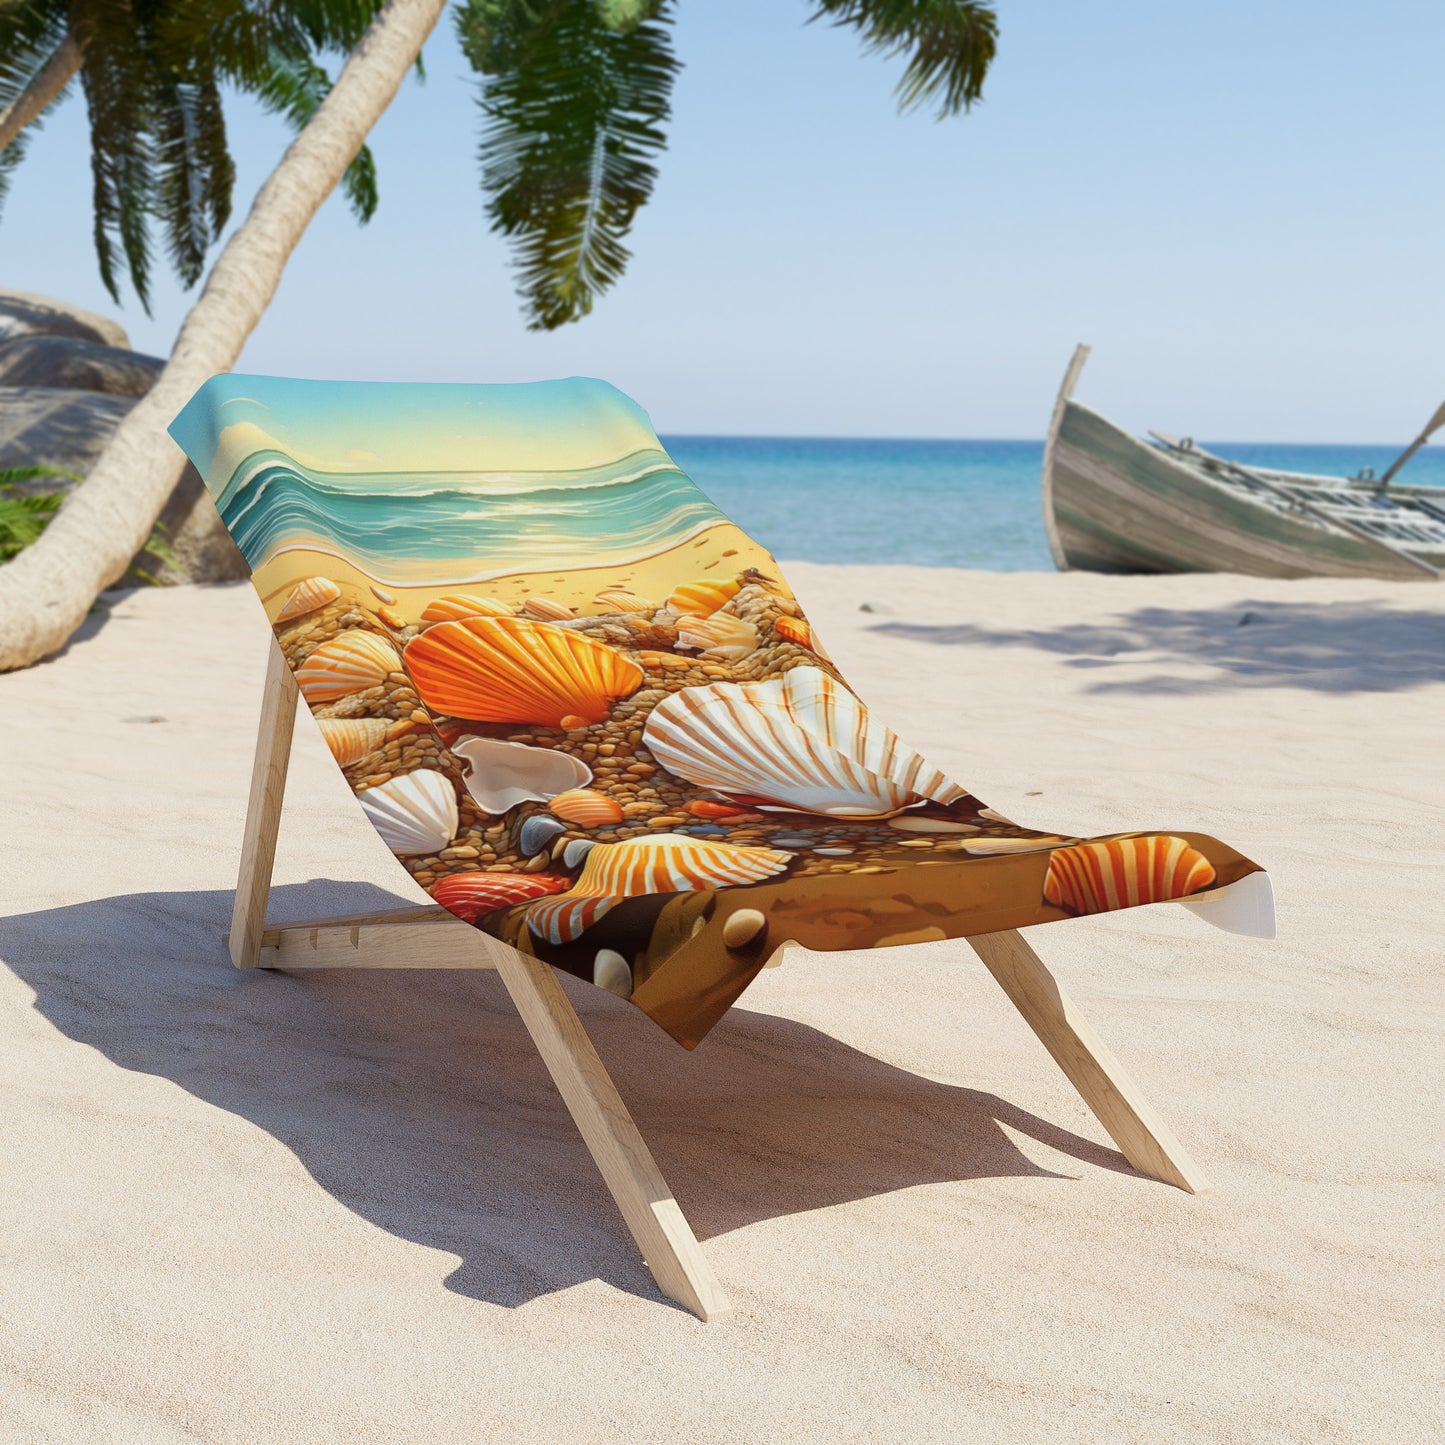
399, 527
631, 467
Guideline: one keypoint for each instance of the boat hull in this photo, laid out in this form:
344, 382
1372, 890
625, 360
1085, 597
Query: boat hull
1116, 504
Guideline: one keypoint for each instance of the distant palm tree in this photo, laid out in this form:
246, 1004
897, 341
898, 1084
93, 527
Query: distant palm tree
575, 93
152, 75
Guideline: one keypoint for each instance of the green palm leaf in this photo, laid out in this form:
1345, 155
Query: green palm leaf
949, 43
575, 93
29, 35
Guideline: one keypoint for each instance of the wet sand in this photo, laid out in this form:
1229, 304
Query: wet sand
350, 1208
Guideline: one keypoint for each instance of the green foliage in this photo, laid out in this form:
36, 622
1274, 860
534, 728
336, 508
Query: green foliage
950, 45
24, 515
152, 73
575, 96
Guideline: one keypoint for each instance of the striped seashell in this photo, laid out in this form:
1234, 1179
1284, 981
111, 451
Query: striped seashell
663, 863
796, 630
500, 774
544, 609
351, 739
1124, 872
352, 662
472, 896
508, 669
306, 596
415, 813
702, 599
586, 808
463, 604
721, 636
619, 600
800, 741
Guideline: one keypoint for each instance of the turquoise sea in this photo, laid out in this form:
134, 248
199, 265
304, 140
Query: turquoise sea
934, 503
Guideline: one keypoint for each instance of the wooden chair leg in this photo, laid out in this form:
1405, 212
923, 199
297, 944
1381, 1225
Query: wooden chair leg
1142, 1136
263, 811
662, 1233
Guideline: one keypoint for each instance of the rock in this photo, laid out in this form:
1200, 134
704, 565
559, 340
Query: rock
203, 549
22, 313
67, 361
67, 428
56, 426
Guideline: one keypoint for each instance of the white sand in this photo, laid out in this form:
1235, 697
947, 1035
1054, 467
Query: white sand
348, 1208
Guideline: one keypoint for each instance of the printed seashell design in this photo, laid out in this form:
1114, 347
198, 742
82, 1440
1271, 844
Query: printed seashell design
306, 596
473, 895
463, 604
1123, 872
663, 863
800, 741
586, 808
706, 808
907, 824
352, 662
612, 972
502, 774
544, 609
619, 600
997, 847
415, 813
727, 638
509, 669
796, 630
702, 599
538, 833
351, 739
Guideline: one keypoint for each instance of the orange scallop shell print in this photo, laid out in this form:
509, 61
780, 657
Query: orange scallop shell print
510, 669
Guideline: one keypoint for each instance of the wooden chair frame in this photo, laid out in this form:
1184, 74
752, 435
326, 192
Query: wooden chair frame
430, 937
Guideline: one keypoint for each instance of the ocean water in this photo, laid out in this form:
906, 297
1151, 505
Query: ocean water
934, 503
448, 526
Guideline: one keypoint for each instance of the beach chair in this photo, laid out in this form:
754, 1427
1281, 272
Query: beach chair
589, 719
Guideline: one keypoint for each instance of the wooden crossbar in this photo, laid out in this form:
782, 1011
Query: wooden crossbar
428, 936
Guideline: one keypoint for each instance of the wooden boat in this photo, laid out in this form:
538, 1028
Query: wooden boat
1116, 503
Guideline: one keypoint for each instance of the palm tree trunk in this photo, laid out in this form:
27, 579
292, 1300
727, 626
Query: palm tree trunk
46, 591
45, 86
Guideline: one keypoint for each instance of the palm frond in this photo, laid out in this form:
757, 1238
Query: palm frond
574, 101
194, 170
950, 45
293, 85
116, 76
29, 36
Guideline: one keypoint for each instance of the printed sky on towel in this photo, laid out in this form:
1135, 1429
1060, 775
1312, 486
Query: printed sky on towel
1238, 205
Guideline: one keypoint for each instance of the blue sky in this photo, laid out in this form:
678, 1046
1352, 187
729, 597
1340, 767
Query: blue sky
1239, 205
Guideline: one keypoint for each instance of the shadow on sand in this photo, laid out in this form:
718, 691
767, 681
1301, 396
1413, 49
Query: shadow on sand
1320, 647
417, 1100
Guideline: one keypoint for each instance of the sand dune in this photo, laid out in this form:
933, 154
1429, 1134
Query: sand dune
350, 1208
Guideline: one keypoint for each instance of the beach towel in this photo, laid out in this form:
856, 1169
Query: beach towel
586, 713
